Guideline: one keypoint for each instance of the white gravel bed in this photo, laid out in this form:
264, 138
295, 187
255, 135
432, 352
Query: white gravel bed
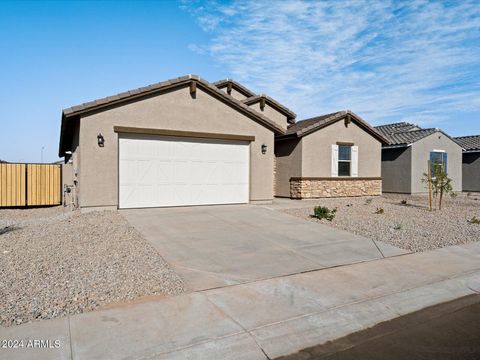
411, 227
67, 263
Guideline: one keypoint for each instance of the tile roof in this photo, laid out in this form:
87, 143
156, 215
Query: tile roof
66, 132
404, 134
307, 126
396, 127
222, 83
409, 137
469, 143
273, 103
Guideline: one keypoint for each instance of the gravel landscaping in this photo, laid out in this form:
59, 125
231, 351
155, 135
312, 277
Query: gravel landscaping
55, 262
410, 226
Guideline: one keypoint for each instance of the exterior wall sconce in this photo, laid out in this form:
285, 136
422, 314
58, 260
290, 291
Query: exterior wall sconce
264, 149
100, 140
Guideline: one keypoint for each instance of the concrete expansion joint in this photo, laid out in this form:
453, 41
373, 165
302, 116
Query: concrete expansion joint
240, 325
70, 336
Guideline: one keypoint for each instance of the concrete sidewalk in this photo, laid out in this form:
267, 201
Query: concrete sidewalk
262, 319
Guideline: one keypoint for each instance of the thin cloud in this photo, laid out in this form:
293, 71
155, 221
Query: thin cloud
387, 61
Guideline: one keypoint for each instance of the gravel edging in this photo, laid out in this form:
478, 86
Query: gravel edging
69, 263
411, 227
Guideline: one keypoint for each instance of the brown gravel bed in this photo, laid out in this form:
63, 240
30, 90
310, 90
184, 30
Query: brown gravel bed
411, 227
70, 264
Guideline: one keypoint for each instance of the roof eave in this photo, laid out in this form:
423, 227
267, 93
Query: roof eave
291, 116
339, 116
154, 89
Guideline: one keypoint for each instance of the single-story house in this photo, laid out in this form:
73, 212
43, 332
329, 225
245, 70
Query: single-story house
333, 155
179, 142
471, 162
405, 157
186, 142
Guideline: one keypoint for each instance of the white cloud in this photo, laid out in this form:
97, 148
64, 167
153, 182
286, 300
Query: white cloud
415, 61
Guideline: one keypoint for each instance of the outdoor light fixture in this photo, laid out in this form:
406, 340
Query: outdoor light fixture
264, 149
101, 140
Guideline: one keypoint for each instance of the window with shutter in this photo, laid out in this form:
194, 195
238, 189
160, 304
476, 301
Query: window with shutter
334, 160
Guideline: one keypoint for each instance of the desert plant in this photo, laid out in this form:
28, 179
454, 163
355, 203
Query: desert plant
322, 212
441, 184
404, 202
368, 201
474, 220
379, 211
398, 227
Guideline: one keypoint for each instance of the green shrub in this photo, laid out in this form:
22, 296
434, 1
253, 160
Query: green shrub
404, 202
379, 211
398, 227
322, 212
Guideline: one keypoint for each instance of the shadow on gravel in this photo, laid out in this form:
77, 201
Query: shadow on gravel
8, 229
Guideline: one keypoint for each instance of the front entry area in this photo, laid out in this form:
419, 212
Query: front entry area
163, 171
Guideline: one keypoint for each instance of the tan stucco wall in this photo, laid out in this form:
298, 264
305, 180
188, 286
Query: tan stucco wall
174, 110
272, 114
421, 154
288, 155
317, 150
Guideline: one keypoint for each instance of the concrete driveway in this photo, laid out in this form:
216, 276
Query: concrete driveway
216, 246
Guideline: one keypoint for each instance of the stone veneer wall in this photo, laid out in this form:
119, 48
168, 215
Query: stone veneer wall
304, 188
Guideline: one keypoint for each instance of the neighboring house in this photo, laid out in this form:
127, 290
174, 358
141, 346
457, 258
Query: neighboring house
405, 158
471, 162
179, 142
332, 155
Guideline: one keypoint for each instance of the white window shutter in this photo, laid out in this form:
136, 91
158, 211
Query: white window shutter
354, 165
334, 160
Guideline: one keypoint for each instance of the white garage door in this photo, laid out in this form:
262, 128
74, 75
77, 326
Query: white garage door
159, 171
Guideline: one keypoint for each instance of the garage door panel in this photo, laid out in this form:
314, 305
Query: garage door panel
161, 171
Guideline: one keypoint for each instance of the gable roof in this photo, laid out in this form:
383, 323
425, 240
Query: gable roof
73, 113
273, 103
307, 126
470, 143
404, 134
237, 86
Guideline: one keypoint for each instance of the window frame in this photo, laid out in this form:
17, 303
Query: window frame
443, 155
349, 161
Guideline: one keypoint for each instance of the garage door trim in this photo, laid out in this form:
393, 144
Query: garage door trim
179, 133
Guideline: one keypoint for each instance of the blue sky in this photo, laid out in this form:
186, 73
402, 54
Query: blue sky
387, 61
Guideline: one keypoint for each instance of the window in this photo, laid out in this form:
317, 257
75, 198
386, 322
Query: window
344, 160
438, 159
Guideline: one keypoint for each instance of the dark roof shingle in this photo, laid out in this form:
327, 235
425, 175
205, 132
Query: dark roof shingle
469, 143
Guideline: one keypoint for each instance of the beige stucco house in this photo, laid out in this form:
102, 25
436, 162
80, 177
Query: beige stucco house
332, 155
186, 142
179, 142
405, 157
